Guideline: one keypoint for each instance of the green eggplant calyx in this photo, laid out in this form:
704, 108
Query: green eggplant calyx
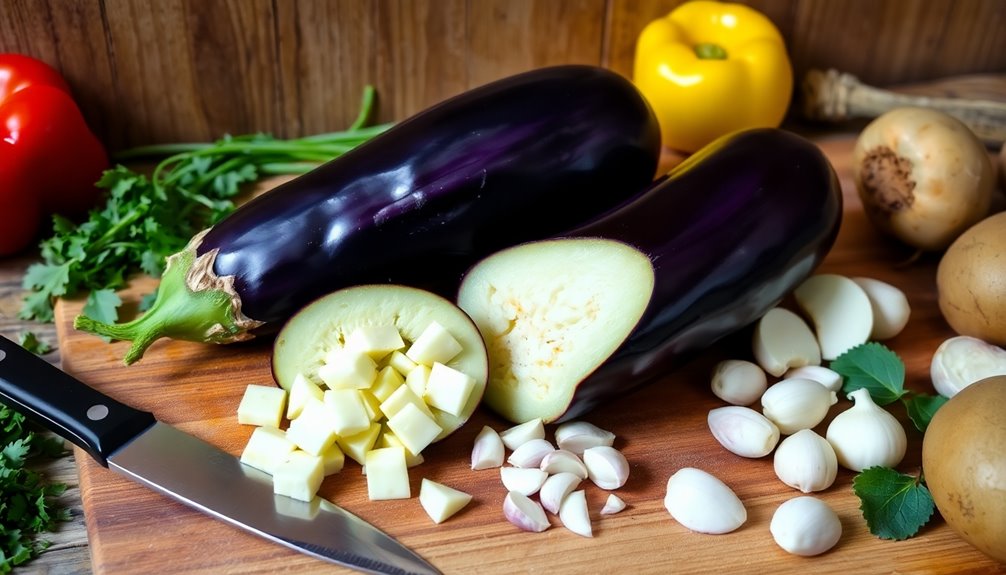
192, 304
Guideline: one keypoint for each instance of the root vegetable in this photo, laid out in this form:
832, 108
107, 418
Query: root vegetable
923, 176
971, 282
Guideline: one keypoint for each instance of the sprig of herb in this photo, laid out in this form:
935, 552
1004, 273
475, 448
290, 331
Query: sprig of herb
32, 343
878, 369
27, 506
145, 219
895, 505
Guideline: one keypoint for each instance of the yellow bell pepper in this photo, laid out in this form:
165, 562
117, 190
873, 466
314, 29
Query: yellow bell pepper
712, 68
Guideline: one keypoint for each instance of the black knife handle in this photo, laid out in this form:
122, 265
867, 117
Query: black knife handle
59, 402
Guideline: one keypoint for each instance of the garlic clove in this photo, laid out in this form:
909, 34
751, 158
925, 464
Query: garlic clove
556, 488
806, 461
612, 505
606, 466
530, 453
738, 382
840, 311
743, 431
703, 503
963, 360
524, 512
521, 480
577, 436
805, 526
782, 340
560, 461
794, 404
890, 307
829, 378
520, 434
574, 515
488, 449
866, 435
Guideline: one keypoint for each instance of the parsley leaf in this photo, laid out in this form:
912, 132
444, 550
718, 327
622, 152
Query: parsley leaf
874, 367
32, 343
895, 505
922, 407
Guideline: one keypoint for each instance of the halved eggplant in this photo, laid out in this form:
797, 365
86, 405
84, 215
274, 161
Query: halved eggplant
612, 305
514, 160
325, 325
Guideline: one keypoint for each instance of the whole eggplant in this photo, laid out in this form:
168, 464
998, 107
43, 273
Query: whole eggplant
723, 238
511, 161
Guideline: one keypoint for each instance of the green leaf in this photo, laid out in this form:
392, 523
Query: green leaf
103, 305
32, 343
922, 407
894, 505
875, 367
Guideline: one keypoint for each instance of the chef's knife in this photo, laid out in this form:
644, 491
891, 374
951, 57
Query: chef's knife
134, 444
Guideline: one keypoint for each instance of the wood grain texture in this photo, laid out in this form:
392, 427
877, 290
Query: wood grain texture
176, 70
660, 429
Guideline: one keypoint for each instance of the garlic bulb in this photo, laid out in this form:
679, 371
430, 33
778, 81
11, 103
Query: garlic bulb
806, 461
805, 526
738, 382
703, 503
743, 431
866, 435
796, 403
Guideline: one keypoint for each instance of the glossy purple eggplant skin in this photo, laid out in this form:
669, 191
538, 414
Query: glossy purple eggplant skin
511, 161
751, 217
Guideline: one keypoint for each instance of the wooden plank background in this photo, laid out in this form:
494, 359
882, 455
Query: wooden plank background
175, 70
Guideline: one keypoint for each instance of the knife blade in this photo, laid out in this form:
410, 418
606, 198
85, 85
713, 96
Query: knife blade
133, 443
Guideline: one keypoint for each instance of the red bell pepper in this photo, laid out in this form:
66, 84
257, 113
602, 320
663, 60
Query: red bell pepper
49, 158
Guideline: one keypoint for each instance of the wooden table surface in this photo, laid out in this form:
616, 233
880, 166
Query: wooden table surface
69, 554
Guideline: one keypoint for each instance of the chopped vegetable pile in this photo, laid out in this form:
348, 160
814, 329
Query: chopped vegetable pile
145, 219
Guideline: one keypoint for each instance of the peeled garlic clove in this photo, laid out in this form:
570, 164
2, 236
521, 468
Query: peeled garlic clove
806, 461
866, 435
782, 340
738, 382
555, 489
523, 481
703, 503
530, 453
612, 505
560, 461
524, 512
606, 466
743, 431
488, 449
574, 515
520, 434
795, 404
840, 311
890, 307
805, 526
830, 379
963, 360
577, 436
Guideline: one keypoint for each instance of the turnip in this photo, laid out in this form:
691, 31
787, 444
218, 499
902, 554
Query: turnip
923, 176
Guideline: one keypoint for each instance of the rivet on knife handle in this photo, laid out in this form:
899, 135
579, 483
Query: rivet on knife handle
90, 419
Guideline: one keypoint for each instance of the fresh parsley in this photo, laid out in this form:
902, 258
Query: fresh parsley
878, 369
27, 501
894, 505
32, 343
146, 218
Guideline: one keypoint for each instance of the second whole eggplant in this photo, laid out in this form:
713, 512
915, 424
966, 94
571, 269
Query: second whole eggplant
511, 161
593, 313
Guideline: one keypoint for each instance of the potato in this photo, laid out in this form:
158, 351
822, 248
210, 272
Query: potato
971, 281
964, 463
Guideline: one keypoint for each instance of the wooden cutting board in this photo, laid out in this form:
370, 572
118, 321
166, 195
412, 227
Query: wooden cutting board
660, 429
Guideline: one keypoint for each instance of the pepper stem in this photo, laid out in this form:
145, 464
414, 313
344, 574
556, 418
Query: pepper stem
204, 315
710, 51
